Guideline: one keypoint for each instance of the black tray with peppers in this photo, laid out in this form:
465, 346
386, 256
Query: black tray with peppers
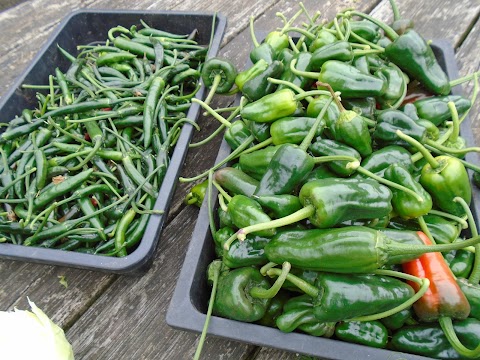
344, 310
96, 130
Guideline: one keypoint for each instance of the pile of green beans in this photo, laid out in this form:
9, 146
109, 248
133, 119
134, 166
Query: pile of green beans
82, 170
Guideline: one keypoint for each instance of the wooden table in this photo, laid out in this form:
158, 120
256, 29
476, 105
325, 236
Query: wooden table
123, 317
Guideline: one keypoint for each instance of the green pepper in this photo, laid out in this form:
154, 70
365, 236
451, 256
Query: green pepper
219, 74
396, 86
245, 253
224, 220
411, 53
350, 81
234, 301
389, 121
271, 107
381, 159
370, 333
366, 30
365, 107
274, 309
361, 63
435, 108
246, 211
336, 200
302, 63
324, 37
259, 86
292, 129
331, 249
319, 172
287, 168
325, 147
352, 130
398, 320
430, 340
256, 163
346, 296
277, 40
263, 51
250, 73
460, 262
338, 50
298, 314
404, 204
197, 194
279, 206
445, 179
260, 131
235, 181
237, 134
331, 116
472, 293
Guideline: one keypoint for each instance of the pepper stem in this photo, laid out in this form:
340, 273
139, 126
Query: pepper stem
396, 12
423, 150
213, 113
311, 133
465, 163
258, 292
474, 277
464, 79
216, 274
402, 249
384, 181
449, 331
447, 149
425, 229
461, 221
216, 81
424, 285
298, 282
222, 191
252, 33
297, 216
455, 121
307, 74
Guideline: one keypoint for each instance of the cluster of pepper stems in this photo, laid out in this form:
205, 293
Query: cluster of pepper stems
82, 171
334, 218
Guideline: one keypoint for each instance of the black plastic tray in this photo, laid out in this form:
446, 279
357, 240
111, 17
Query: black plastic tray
83, 27
190, 300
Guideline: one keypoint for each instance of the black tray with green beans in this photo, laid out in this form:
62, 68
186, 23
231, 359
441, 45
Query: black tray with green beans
94, 134
312, 246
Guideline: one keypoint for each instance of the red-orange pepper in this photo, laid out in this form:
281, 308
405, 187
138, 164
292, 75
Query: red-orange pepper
444, 298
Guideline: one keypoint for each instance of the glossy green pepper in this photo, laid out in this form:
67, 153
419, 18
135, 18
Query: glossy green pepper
430, 340
261, 131
352, 130
326, 147
370, 333
288, 166
246, 211
298, 314
271, 107
235, 181
250, 73
336, 200
404, 204
398, 320
275, 309
472, 293
331, 249
366, 30
302, 63
234, 300
292, 129
396, 86
365, 107
245, 253
435, 108
346, 296
338, 50
236, 134
460, 262
350, 81
256, 163
389, 121
323, 38
381, 159
259, 86
224, 219
277, 40
279, 206
263, 51
319, 172
331, 116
